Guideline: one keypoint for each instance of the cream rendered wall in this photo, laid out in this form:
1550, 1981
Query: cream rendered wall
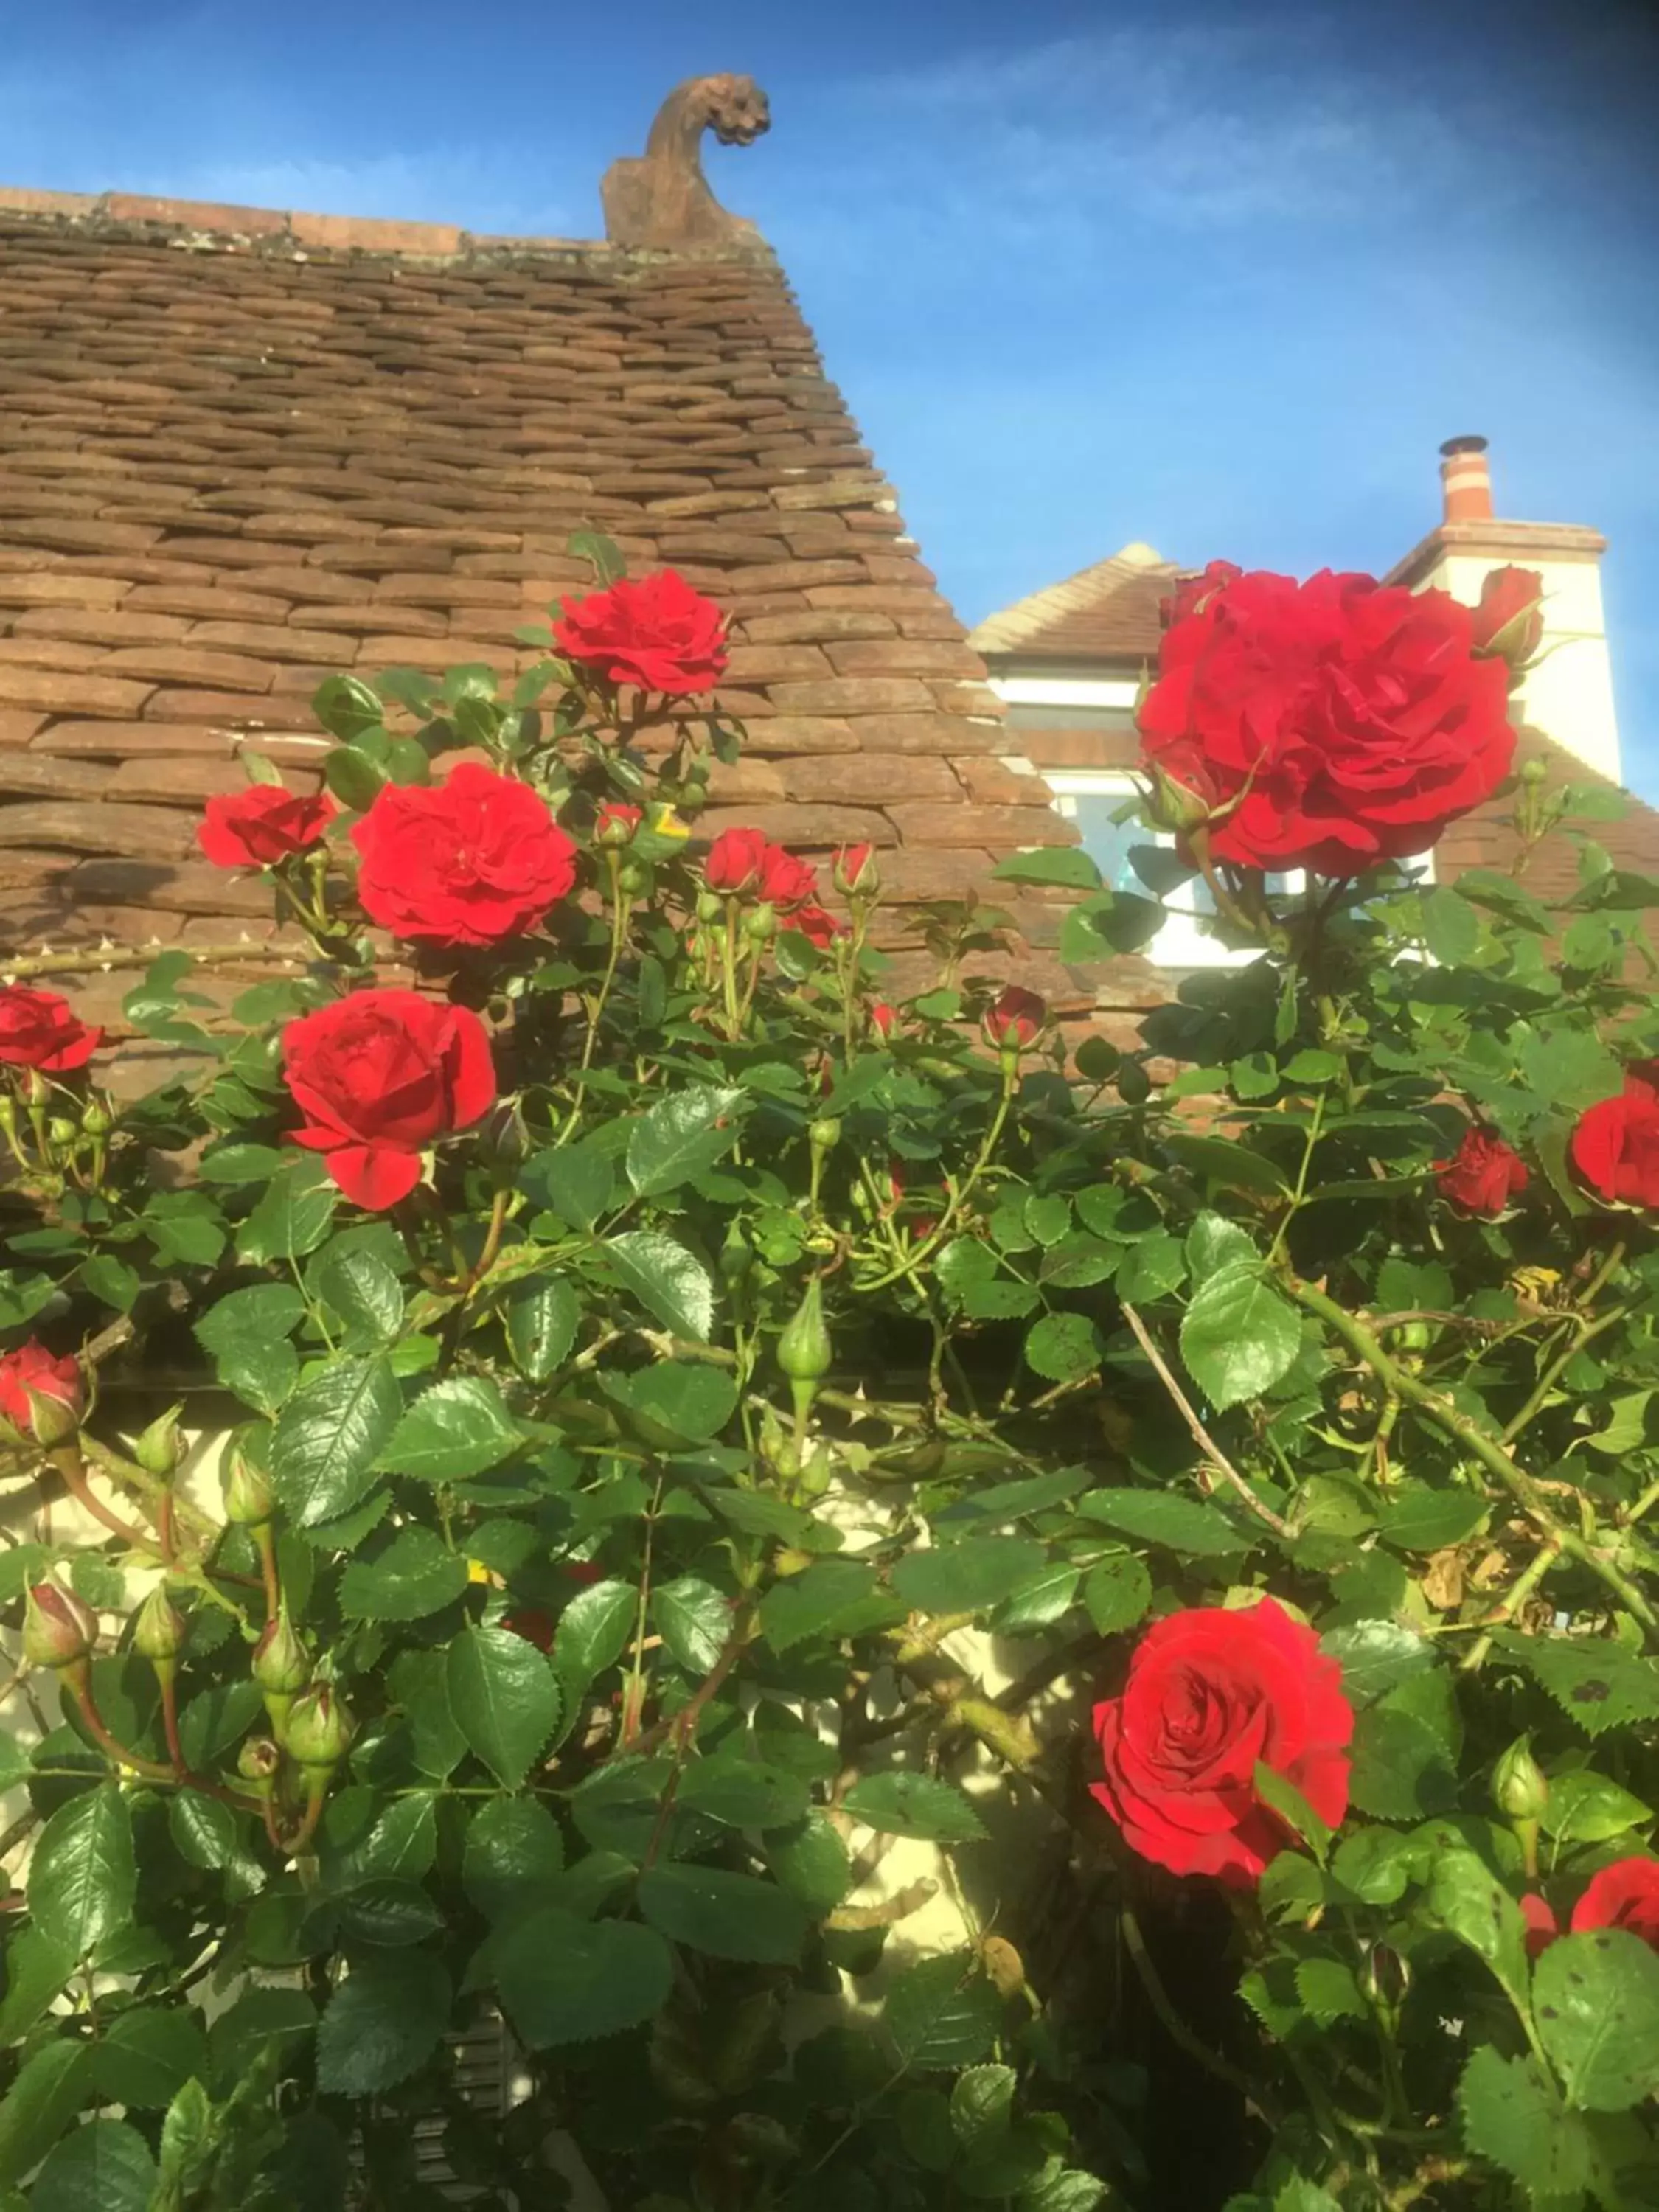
1567, 693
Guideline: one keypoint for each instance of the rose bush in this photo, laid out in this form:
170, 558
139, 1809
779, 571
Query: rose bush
547, 1466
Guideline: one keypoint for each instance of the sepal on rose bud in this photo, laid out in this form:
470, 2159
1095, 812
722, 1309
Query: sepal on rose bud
159, 1631
320, 1729
160, 1448
249, 1501
281, 1665
805, 1351
1508, 624
58, 1630
854, 873
1519, 1788
1014, 1020
258, 1761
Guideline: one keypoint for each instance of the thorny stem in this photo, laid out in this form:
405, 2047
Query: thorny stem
1510, 1604
620, 909
1521, 1485
936, 1236
104, 957
1583, 1334
264, 1537
1307, 1149
1214, 1456
66, 1458
633, 1696
1173, 2025
169, 1686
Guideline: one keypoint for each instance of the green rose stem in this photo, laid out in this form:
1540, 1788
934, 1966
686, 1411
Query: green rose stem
1521, 1485
104, 957
620, 909
67, 1460
1214, 1458
959, 1193
9, 1130
159, 1634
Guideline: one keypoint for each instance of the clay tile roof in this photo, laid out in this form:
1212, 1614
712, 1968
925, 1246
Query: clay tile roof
1108, 611
241, 449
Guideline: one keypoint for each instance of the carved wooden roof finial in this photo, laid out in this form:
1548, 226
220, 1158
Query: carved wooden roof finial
663, 199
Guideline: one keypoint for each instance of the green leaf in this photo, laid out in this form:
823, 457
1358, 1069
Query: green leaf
1215, 1244
346, 707
916, 1805
1067, 867
1061, 2188
694, 1620
1376, 1657
1151, 1516
682, 1136
1451, 927
666, 1279
743, 1793
1595, 1998
563, 1980
203, 1831
1223, 1161
1328, 1991
1588, 1808
293, 1215
810, 1861
112, 1281
677, 1401
575, 1182
455, 1430
36, 1970
212, 1723
257, 2017
1512, 2114
84, 1878
246, 1335
513, 1852
1283, 1797
53, 2084
833, 1597
969, 1577
727, 1916
981, 2105
387, 1911
1403, 1768
943, 2012
354, 778
1468, 1902
1152, 1265
593, 1632
418, 1681
542, 1318
1570, 1068
236, 1163
362, 1288
504, 1698
329, 1436
1117, 1593
603, 555
410, 1576
104, 2166
1421, 1519
1063, 1347
1599, 1684
1239, 1336
1375, 1865
382, 2024
146, 2057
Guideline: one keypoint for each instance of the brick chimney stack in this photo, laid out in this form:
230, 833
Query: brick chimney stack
1465, 480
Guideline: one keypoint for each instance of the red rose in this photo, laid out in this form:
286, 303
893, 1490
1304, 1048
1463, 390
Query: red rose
1015, 1019
816, 924
1509, 619
1541, 1925
1331, 724
252, 829
855, 871
1615, 1146
882, 1018
657, 633
1482, 1175
471, 861
32, 1372
1211, 1694
39, 1029
379, 1076
735, 860
1623, 1895
615, 824
785, 880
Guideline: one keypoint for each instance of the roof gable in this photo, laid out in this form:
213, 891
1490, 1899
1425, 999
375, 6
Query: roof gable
1108, 611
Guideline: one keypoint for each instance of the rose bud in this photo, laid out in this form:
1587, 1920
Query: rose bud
1509, 623
320, 1729
882, 1019
159, 1629
96, 1120
281, 1665
58, 1630
1519, 1788
616, 824
805, 1351
1174, 805
824, 1134
248, 1500
41, 1395
854, 873
760, 923
258, 1759
1015, 1020
162, 1446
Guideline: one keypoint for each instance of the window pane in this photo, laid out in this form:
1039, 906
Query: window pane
1107, 843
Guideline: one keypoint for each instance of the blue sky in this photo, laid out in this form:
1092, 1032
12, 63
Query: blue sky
1218, 277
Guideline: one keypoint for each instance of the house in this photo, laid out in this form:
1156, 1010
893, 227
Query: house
241, 449
1068, 663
